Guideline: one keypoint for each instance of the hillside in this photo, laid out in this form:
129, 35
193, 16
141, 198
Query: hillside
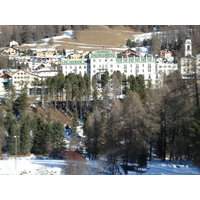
55, 114
94, 38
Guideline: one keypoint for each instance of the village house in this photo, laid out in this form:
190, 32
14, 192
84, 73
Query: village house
166, 53
14, 43
10, 51
74, 54
129, 53
20, 78
45, 52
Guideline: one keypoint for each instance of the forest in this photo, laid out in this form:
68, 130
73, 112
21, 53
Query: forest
146, 123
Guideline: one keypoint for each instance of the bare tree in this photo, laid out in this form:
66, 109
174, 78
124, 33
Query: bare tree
155, 44
75, 164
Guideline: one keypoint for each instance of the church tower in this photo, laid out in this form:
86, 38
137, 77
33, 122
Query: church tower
188, 46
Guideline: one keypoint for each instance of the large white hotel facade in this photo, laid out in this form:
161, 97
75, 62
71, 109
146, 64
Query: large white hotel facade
106, 60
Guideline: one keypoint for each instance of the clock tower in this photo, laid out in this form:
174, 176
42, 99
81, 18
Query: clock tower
188, 46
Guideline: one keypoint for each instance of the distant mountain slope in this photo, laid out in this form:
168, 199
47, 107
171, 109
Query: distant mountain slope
96, 37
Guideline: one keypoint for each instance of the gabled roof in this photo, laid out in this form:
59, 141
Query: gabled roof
25, 72
5, 76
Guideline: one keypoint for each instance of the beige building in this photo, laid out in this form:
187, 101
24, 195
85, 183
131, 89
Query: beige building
46, 52
21, 78
10, 51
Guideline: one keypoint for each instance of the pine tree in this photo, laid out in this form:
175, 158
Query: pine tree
13, 139
25, 137
75, 122
105, 79
58, 137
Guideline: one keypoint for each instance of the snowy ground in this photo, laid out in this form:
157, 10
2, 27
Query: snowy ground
42, 166
156, 167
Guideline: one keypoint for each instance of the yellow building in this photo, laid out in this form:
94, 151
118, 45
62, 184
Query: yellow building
46, 52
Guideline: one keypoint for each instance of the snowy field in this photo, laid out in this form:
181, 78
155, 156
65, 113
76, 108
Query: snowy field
42, 166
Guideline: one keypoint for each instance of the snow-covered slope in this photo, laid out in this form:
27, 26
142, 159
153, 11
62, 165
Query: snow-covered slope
43, 166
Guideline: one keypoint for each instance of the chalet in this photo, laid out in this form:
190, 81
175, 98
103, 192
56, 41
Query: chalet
10, 51
14, 43
129, 53
78, 55
166, 53
46, 52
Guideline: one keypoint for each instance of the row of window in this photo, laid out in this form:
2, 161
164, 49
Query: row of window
21, 77
70, 67
169, 66
103, 60
125, 71
72, 71
19, 82
125, 66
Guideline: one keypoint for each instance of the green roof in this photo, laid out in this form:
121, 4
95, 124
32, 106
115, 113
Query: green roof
103, 54
135, 60
73, 61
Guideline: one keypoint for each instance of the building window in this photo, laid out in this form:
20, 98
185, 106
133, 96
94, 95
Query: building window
125, 66
111, 66
117, 66
99, 60
66, 67
149, 70
79, 67
94, 60
111, 60
94, 66
149, 65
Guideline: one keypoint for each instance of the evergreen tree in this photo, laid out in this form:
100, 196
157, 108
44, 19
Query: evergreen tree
58, 137
25, 137
13, 139
22, 101
75, 121
38, 146
105, 79
129, 43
